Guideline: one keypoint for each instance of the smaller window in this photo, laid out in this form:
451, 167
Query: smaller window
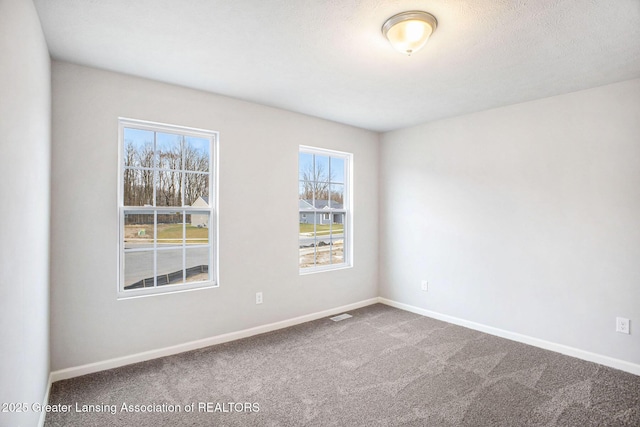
324, 209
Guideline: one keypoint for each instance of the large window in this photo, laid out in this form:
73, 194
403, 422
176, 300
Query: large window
324, 209
167, 217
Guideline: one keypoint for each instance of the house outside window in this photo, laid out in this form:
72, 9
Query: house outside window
324, 209
167, 218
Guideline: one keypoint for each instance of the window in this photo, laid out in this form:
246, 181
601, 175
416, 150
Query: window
324, 209
166, 208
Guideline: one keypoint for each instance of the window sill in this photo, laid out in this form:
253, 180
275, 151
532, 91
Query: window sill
165, 290
313, 270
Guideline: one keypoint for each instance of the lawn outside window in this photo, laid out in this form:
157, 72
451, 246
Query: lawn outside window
167, 216
324, 200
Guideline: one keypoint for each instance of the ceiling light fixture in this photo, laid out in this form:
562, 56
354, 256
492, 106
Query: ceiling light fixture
408, 32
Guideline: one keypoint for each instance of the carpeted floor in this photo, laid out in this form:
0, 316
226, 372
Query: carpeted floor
382, 367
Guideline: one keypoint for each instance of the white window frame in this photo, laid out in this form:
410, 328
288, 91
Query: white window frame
347, 209
211, 210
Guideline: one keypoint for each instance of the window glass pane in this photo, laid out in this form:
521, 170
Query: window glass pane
168, 190
138, 270
337, 238
307, 226
321, 178
322, 203
337, 223
337, 251
196, 154
305, 166
197, 267
138, 230
197, 228
321, 194
168, 148
322, 237
337, 169
323, 253
321, 172
196, 189
170, 229
305, 195
323, 226
170, 267
307, 239
307, 253
138, 187
138, 148
337, 196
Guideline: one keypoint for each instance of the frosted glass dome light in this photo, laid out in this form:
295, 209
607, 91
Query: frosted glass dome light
408, 32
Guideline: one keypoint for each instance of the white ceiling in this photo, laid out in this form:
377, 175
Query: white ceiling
328, 58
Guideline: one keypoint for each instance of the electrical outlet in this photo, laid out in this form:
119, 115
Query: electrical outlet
622, 325
424, 285
258, 297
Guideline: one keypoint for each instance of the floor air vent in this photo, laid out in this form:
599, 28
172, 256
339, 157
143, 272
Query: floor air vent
340, 317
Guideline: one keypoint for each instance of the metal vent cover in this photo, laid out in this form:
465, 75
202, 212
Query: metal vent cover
340, 317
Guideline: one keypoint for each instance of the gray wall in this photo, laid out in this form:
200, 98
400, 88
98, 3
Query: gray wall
524, 218
258, 168
25, 109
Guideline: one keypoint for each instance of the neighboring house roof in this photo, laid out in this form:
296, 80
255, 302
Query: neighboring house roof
320, 204
305, 205
199, 201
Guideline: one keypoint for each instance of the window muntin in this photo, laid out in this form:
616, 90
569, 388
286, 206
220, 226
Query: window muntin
166, 208
324, 209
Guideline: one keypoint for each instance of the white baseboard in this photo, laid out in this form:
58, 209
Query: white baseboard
547, 345
232, 336
90, 368
45, 401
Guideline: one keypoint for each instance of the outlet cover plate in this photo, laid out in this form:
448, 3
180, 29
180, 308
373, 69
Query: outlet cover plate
622, 325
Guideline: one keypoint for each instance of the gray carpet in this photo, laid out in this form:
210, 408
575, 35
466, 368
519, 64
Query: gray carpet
382, 367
